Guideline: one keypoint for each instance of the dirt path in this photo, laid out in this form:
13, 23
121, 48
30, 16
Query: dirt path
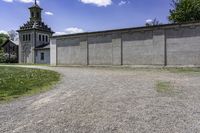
108, 100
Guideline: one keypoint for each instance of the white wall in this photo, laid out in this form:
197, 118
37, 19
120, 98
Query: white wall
46, 56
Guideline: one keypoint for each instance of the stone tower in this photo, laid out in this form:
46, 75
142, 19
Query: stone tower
34, 38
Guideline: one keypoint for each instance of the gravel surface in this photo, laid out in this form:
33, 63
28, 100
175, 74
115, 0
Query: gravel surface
89, 100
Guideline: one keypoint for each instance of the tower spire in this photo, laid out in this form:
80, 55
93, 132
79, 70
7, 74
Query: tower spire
35, 2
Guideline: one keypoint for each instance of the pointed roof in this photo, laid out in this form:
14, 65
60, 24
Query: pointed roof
38, 25
35, 24
35, 5
9, 41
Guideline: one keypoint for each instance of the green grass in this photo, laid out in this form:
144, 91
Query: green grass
163, 87
16, 82
183, 70
12, 64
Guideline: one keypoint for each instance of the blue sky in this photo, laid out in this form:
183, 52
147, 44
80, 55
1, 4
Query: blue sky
66, 16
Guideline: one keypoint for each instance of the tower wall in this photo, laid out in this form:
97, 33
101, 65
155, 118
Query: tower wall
26, 47
33, 35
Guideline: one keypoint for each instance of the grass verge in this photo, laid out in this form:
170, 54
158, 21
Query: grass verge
163, 87
16, 82
183, 70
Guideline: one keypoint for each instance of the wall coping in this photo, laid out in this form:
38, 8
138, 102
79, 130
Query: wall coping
144, 28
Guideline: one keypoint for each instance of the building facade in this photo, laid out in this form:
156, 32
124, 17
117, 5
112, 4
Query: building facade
162, 45
34, 38
10, 49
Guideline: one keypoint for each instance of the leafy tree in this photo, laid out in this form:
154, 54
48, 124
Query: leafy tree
185, 11
12, 34
1, 41
2, 56
3, 38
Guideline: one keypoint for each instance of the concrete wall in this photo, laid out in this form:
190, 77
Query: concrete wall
68, 51
46, 56
159, 45
183, 46
27, 48
138, 48
100, 50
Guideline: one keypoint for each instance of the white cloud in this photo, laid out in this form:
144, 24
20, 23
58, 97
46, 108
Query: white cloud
98, 2
71, 30
26, 1
149, 21
122, 3
49, 13
60, 33
22, 1
4, 32
10, 1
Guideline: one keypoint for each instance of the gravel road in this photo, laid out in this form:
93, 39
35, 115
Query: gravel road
106, 100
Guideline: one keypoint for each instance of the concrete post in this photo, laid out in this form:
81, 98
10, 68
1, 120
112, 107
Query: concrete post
117, 50
20, 51
159, 47
53, 52
84, 52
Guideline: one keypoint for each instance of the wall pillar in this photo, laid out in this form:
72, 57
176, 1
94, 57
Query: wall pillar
53, 52
117, 50
20, 53
84, 52
159, 47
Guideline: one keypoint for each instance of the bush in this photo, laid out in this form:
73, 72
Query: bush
11, 59
2, 56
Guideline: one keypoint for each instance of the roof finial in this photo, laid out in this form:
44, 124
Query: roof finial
35, 2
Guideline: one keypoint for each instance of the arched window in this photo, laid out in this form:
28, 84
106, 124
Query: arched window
29, 37
32, 14
46, 38
24, 38
39, 37
43, 38
38, 14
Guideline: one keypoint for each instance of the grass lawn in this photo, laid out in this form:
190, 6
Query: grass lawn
163, 87
183, 70
16, 81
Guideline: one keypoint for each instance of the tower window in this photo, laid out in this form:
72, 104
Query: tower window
39, 37
24, 38
38, 15
42, 56
43, 38
29, 37
46, 38
32, 14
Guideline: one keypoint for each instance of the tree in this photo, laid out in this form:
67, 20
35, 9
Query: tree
2, 56
184, 11
1, 41
3, 38
12, 34
153, 22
